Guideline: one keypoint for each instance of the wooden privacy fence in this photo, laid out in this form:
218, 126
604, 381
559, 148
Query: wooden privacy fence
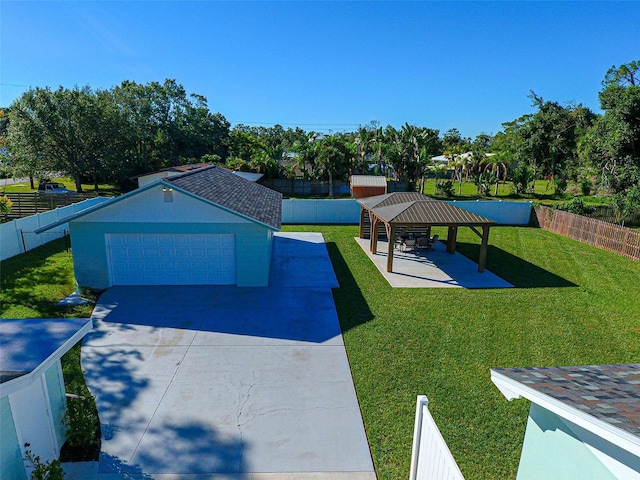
607, 236
27, 204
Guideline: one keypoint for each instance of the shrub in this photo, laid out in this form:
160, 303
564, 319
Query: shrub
51, 470
445, 188
5, 204
81, 421
585, 186
576, 206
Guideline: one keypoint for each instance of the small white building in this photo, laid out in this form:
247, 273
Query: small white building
32, 392
584, 422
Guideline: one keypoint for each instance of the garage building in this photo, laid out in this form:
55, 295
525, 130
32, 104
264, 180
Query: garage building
202, 227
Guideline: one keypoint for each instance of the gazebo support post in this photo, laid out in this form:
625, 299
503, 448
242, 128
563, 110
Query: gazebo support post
483, 248
374, 234
362, 212
452, 236
391, 236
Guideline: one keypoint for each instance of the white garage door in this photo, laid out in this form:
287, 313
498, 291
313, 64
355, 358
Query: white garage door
150, 259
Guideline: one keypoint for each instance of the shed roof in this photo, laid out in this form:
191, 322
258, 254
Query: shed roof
368, 181
609, 393
233, 192
27, 343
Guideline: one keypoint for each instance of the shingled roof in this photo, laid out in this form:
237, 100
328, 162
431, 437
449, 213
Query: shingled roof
233, 192
609, 393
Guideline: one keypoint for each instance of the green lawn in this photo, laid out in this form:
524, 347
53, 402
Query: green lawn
32, 284
542, 190
572, 305
105, 189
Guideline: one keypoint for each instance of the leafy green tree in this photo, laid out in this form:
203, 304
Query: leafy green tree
547, 140
452, 139
613, 144
64, 130
409, 150
167, 126
334, 159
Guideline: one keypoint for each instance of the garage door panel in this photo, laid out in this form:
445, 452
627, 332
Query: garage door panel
153, 259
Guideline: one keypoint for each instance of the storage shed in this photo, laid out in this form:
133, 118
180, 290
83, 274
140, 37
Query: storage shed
367, 185
203, 227
32, 392
584, 421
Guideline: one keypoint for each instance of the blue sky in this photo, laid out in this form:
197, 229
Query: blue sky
328, 66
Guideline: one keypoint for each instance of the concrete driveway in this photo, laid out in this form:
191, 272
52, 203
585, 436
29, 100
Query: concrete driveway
214, 382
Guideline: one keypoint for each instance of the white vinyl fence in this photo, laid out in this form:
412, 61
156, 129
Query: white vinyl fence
17, 236
501, 212
430, 457
343, 211
347, 211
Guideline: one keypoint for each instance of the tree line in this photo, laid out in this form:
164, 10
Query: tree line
112, 135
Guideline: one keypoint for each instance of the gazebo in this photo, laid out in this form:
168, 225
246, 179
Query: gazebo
402, 212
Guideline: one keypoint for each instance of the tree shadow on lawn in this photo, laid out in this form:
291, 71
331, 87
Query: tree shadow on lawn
513, 269
351, 305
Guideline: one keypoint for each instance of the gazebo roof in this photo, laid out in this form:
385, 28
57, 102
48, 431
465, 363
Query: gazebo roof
416, 208
393, 199
432, 212
400, 211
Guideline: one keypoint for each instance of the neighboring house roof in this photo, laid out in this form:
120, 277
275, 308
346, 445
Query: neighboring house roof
368, 181
251, 176
179, 169
28, 343
604, 399
233, 192
212, 184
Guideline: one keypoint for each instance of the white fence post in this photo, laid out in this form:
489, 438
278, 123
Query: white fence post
430, 456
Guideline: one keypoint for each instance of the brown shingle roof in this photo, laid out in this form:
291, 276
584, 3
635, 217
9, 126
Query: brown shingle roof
233, 192
394, 199
415, 208
430, 212
610, 393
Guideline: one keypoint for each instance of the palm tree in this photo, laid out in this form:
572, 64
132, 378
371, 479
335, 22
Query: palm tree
494, 164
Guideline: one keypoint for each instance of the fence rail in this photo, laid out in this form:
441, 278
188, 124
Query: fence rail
27, 204
607, 236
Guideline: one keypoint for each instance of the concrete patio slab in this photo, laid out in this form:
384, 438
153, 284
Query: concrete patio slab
228, 383
430, 269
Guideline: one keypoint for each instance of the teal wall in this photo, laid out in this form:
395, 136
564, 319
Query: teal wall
553, 449
253, 247
57, 400
11, 464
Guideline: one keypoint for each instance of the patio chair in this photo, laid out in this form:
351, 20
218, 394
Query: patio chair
433, 241
423, 242
409, 244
